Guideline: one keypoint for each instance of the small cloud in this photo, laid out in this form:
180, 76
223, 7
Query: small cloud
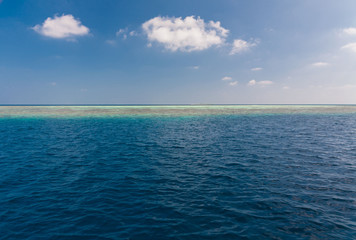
194, 67
53, 83
349, 31
122, 32
269, 29
286, 88
125, 33
184, 34
260, 83
234, 83
256, 69
149, 45
133, 33
83, 89
110, 42
320, 64
239, 46
63, 27
264, 83
350, 46
226, 78
251, 83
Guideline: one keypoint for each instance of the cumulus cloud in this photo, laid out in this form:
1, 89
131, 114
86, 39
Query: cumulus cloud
226, 78
239, 46
184, 34
349, 31
251, 83
320, 64
350, 46
234, 83
65, 26
256, 69
260, 83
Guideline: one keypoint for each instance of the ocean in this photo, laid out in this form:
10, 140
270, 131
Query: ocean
178, 172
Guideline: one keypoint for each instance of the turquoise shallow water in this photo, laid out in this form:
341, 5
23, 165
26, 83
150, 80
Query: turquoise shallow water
163, 172
168, 111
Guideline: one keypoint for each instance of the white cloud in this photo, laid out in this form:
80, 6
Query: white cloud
123, 32
350, 46
256, 69
264, 83
286, 88
349, 31
320, 64
65, 26
53, 83
185, 34
226, 78
260, 83
234, 83
252, 82
239, 46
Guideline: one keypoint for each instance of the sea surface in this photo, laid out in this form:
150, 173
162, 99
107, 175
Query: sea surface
178, 172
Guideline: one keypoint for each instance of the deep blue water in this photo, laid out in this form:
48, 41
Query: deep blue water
206, 177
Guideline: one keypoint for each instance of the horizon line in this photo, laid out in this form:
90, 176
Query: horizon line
164, 104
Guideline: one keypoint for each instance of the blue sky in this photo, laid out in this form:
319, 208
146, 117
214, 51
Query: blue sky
177, 52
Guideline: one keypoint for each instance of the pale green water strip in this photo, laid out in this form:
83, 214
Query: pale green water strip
167, 110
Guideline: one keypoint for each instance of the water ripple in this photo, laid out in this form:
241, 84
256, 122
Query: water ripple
207, 177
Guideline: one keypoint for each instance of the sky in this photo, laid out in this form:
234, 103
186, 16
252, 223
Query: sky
177, 52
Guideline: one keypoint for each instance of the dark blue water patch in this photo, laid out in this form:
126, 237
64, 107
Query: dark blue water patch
222, 177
